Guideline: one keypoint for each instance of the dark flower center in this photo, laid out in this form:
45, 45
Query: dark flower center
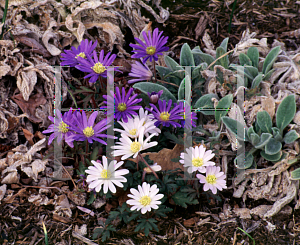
150, 50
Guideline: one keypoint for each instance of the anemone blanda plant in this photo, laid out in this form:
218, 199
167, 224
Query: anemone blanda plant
197, 159
123, 105
148, 122
70, 57
60, 128
106, 175
164, 115
140, 72
151, 48
145, 198
86, 130
214, 179
96, 66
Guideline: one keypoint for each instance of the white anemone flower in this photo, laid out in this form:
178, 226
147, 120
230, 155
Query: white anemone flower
197, 158
145, 198
126, 147
106, 175
213, 180
149, 122
134, 126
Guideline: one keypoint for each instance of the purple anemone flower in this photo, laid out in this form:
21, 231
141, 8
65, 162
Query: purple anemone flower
164, 116
70, 57
141, 72
86, 130
187, 113
60, 128
154, 96
122, 106
95, 67
154, 46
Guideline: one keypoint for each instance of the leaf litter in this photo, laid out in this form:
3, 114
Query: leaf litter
28, 59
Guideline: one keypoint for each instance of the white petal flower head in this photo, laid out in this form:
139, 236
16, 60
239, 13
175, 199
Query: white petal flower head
126, 147
214, 179
155, 167
145, 198
106, 175
149, 123
134, 127
197, 158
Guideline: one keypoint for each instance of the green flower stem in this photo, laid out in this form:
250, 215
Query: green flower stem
154, 71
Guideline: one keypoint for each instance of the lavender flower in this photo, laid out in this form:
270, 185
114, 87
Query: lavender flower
154, 46
154, 96
141, 72
164, 116
60, 128
124, 106
86, 130
96, 66
70, 57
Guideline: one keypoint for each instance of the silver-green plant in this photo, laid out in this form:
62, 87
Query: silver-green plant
263, 136
250, 62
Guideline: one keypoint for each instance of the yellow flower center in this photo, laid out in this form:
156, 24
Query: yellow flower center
99, 68
211, 179
164, 116
150, 50
122, 107
82, 55
145, 200
132, 131
135, 147
88, 131
197, 162
63, 127
105, 174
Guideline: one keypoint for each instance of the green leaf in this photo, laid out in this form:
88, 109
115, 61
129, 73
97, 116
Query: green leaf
244, 161
223, 61
163, 71
255, 139
251, 72
285, 112
91, 199
290, 137
224, 44
264, 139
270, 59
256, 81
185, 85
224, 103
271, 158
183, 199
220, 77
233, 126
186, 56
205, 105
273, 147
152, 87
97, 232
172, 64
94, 154
244, 60
208, 59
295, 175
253, 54
268, 75
250, 131
264, 121
196, 56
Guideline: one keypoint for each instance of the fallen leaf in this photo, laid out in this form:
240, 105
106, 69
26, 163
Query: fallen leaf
30, 106
28, 135
164, 157
189, 222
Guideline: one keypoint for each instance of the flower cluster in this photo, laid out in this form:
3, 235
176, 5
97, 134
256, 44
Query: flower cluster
198, 159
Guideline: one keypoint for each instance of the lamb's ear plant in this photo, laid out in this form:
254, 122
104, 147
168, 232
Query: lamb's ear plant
263, 136
250, 62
